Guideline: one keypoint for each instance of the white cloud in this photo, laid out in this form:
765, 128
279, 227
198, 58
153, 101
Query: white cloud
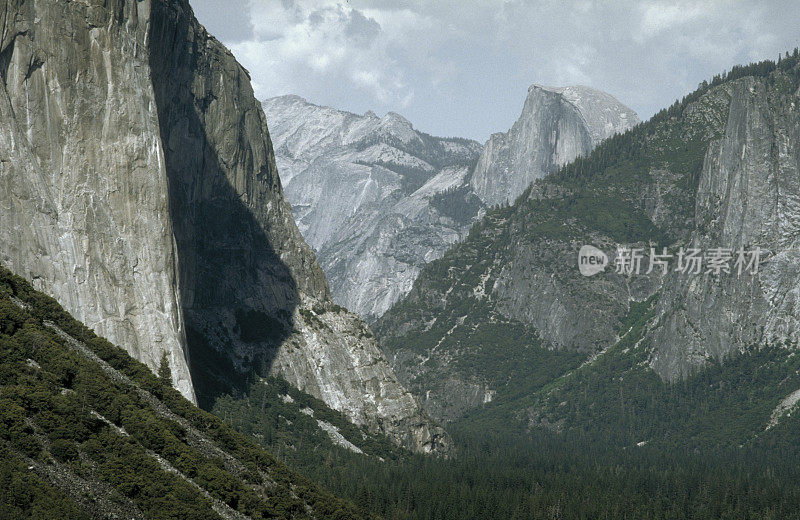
663, 16
303, 42
462, 67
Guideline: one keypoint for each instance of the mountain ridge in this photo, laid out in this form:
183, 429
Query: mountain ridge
360, 187
645, 188
104, 437
377, 199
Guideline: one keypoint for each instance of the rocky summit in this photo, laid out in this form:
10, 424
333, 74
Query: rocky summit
139, 188
557, 125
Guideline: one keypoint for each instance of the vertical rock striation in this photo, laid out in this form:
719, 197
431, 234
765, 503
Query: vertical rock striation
748, 196
84, 208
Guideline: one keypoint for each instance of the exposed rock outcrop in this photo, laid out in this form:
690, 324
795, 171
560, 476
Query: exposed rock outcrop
556, 126
375, 198
84, 205
748, 197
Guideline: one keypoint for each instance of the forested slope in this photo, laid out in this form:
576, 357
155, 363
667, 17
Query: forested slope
88, 432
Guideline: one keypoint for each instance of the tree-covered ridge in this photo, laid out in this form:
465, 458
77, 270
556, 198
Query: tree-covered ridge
694, 461
637, 189
532, 469
87, 427
288, 421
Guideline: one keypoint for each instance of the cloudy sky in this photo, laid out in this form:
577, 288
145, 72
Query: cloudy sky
462, 67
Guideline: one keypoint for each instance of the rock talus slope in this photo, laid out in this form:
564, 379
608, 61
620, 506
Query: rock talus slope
160, 219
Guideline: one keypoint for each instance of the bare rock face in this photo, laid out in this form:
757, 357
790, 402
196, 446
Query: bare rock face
748, 196
374, 197
556, 126
140, 189
355, 377
84, 206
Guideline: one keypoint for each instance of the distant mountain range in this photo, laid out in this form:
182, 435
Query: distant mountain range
377, 199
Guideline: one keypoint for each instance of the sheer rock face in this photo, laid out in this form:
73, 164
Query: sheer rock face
139, 188
84, 210
375, 198
556, 126
749, 196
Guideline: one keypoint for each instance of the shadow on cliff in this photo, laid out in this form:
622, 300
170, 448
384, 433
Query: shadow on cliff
238, 296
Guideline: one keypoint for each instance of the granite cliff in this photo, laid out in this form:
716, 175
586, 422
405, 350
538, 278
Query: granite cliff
748, 196
84, 205
557, 125
140, 189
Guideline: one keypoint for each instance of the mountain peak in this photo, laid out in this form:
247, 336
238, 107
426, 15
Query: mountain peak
603, 113
557, 125
352, 178
287, 99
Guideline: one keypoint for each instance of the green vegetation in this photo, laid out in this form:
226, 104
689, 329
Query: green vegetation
23, 494
123, 428
458, 203
605, 439
510, 469
276, 414
164, 372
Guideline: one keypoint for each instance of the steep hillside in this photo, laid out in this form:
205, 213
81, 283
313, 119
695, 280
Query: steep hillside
141, 190
374, 197
88, 432
717, 170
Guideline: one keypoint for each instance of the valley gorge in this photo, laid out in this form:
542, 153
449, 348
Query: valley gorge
221, 305
377, 199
